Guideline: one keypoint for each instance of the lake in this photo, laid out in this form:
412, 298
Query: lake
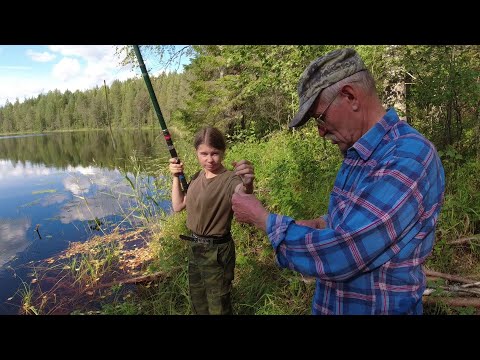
59, 188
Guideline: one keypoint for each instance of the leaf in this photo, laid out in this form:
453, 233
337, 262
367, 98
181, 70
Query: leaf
130, 181
150, 198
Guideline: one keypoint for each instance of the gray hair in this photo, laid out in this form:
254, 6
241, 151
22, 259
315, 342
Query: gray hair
363, 78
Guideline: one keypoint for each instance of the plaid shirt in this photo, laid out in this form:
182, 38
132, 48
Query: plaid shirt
380, 226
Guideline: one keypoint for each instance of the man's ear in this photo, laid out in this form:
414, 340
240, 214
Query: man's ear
351, 94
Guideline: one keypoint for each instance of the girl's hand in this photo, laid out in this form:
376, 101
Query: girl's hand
175, 169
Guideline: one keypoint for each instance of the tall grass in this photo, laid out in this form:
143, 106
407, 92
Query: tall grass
87, 268
460, 217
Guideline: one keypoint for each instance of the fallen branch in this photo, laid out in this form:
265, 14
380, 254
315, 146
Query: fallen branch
452, 301
456, 288
471, 285
136, 280
449, 277
464, 240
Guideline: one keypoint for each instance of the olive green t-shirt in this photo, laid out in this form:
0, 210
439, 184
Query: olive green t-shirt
209, 203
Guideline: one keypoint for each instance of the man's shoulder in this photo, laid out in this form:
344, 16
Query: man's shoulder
407, 138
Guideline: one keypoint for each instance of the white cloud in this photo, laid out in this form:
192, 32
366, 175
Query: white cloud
88, 52
12, 87
66, 69
40, 57
80, 67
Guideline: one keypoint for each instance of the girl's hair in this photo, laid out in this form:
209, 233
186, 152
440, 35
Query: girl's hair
210, 136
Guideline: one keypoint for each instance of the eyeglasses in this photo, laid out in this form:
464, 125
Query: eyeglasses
320, 119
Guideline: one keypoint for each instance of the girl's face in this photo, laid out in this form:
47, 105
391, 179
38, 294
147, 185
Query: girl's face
209, 158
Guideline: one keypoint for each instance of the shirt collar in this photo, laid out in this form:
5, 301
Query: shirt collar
367, 144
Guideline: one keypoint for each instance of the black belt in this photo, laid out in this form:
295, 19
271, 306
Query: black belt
207, 240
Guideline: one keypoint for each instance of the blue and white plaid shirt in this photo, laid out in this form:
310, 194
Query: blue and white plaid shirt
380, 226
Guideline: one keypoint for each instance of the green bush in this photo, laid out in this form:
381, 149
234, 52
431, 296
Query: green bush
294, 170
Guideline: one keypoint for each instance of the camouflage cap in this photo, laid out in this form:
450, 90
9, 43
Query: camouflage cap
321, 73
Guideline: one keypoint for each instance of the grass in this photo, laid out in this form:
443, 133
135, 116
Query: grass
87, 268
26, 293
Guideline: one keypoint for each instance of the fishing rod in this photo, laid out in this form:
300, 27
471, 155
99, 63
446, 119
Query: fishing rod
166, 134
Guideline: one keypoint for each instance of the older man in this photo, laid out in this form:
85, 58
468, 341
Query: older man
367, 252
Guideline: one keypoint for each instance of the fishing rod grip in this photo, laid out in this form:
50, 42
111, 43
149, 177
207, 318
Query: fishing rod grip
173, 154
181, 177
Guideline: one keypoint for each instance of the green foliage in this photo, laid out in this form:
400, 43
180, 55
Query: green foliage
294, 171
461, 210
444, 95
242, 87
468, 310
170, 251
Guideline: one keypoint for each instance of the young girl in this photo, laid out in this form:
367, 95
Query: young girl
209, 218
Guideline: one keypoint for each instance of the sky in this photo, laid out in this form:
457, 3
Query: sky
27, 71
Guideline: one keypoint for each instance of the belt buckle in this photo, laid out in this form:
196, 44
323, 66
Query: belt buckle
201, 240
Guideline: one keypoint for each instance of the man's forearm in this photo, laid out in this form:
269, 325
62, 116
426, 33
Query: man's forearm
260, 219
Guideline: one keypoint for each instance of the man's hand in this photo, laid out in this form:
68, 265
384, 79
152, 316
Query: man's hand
248, 209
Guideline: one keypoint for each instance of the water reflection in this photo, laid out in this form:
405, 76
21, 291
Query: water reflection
13, 171
97, 194
65, 187
13, 237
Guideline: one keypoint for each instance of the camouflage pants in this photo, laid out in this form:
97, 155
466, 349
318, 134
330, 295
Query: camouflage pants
210, 275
